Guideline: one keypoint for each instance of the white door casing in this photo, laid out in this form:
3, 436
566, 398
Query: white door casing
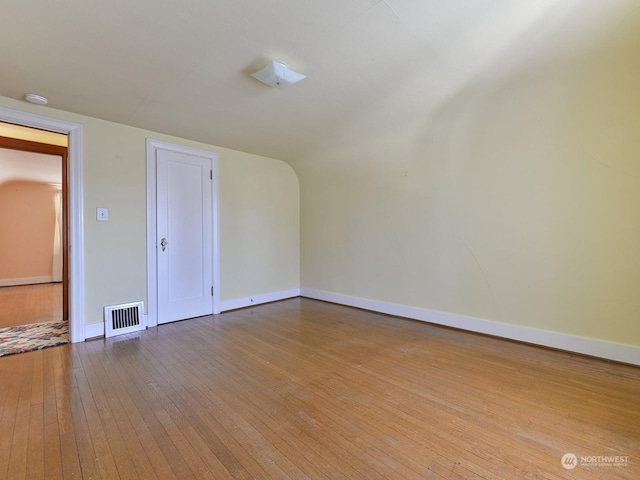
182, 209
74, 132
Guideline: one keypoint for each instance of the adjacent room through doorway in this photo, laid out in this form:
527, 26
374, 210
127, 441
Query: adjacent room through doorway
33, 233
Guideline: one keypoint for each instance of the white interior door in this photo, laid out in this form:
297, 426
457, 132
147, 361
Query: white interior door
184, 234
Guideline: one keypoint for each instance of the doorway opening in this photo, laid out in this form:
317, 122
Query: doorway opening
74, 132
34, 263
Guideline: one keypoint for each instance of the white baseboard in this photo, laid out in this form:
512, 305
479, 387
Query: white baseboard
258, 299
588, 346
94, 330
12, 282
98, 329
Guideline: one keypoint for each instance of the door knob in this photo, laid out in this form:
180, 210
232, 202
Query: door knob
163, 243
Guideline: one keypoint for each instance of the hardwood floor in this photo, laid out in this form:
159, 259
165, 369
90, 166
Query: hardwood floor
25, 304
303, 389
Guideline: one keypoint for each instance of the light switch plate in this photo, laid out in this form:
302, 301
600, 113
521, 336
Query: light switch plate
102, 214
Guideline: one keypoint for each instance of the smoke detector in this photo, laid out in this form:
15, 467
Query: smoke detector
37, 99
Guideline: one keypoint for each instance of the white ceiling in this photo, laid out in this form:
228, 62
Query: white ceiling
182, 67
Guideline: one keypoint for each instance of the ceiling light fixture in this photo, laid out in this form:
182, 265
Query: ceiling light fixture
37, 99
278, 75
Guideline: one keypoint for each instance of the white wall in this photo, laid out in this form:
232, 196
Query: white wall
260, 221
516, 200
258, 215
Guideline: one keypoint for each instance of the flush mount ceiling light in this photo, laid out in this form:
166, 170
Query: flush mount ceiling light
276, 74
37, 99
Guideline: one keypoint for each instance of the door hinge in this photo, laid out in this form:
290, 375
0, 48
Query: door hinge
211, 174
212, 291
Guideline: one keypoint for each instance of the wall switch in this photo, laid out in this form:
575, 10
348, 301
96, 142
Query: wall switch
102, 214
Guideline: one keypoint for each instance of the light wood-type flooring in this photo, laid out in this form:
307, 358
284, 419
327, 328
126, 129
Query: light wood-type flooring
25, 304
304, 389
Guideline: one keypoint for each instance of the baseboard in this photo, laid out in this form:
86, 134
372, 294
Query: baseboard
13, 282
597, 348
236, 303
98, 329
94, 330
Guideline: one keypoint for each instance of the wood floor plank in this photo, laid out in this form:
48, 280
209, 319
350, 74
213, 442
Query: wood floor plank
232, 454
331, 439
120, 448
302, 389
49, 396
351, 389
10, 370
78, 449
53, 467
237, 423
210, 466
35, 446
170, 445
59, 358
342, 431
299, 422
213, 404
17, 468
23, 304
145, 463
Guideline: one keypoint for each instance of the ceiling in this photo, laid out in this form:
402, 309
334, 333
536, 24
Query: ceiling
182, 67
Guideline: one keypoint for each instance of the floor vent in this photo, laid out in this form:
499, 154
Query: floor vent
125, 318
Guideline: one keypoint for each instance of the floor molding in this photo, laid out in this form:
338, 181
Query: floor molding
236, 303
97, 329
94, 330
14, 282
572, 343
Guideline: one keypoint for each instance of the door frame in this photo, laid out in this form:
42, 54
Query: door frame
152, 242
75, 227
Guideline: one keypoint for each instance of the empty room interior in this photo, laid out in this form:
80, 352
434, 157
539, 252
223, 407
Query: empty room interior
377, 239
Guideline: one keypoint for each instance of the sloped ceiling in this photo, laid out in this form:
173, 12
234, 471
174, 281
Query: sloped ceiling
182, 67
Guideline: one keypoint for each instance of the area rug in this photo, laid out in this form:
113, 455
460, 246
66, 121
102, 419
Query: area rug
35, 336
